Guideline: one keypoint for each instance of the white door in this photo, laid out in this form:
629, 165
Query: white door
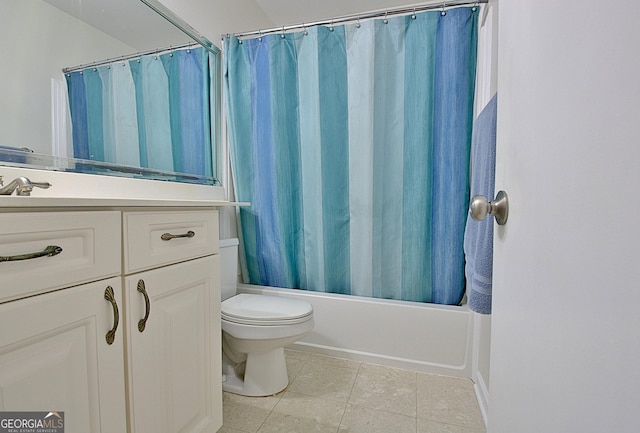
565, 353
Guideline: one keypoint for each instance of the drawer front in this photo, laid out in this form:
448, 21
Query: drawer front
90, 246
159, 238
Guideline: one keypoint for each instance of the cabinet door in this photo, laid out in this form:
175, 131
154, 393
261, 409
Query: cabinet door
174, 371
54, 357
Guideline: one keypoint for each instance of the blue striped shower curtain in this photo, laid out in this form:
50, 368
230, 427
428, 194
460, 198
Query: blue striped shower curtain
352, 145
153, 112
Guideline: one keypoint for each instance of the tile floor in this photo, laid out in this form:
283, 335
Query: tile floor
340, 396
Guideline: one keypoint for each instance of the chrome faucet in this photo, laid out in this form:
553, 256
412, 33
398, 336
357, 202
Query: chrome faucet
21, 185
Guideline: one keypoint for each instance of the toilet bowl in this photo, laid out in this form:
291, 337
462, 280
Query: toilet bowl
255, 330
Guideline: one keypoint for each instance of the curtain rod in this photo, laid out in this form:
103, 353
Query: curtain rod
129, 57
356, 17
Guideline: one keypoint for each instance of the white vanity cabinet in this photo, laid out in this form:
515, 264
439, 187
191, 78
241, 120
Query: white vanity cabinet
112, 269
172, 304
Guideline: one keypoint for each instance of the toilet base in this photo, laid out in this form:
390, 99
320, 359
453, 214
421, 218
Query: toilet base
265, 374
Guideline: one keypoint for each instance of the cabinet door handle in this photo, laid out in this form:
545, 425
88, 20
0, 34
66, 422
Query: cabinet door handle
169, 236
110, 296
143, 322
50, 251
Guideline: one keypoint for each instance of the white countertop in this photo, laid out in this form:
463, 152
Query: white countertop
65, 202
82, 190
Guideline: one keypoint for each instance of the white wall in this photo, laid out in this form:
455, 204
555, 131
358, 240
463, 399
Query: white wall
284, 12
212, 18
36, 41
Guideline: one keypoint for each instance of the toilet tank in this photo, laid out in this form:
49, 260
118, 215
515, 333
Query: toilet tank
228, 267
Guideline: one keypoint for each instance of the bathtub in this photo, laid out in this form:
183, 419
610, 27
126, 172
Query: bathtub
429, 338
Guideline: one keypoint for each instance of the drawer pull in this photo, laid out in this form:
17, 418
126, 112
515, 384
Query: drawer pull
169, 236
50, 251
110, 296
143, 322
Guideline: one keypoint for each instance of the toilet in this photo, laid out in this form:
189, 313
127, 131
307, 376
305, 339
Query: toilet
255, 330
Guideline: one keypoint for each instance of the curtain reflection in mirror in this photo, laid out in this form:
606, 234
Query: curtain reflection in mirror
152, 112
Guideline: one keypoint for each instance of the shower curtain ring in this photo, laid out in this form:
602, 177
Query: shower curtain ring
358, 23
282, 35
386, 14
443, 12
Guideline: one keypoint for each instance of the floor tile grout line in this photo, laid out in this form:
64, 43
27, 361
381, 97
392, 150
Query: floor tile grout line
311, 360
415, 381
284, 391
344, 411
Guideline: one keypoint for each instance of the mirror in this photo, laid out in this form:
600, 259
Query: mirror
38, 38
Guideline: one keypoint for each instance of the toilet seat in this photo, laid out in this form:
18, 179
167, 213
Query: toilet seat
260, 310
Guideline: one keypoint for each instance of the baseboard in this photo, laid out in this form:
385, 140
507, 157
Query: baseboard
482, 395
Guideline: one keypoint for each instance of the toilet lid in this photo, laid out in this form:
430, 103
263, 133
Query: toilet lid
263, 309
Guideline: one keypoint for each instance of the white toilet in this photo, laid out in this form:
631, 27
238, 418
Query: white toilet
255, 330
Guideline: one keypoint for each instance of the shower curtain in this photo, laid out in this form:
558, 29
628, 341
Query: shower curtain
352, 145
151, 112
